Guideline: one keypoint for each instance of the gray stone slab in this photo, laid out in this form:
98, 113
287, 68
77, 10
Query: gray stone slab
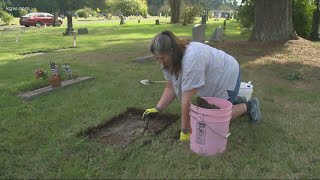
39, 92
144, 59
217, 35
83, 31
198, 32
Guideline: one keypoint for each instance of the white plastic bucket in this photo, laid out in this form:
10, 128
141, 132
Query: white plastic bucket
246, 90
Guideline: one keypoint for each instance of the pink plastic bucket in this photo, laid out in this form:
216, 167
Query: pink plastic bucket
210, 127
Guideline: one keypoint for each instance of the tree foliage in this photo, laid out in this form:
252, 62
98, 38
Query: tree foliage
127, 7
315, 27
6, 17
155, 6
302, 17
131, 7
189, 12
214, 4
54, 5
246, 14
85, 12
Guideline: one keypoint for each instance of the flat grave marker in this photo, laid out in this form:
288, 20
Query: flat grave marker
38, 92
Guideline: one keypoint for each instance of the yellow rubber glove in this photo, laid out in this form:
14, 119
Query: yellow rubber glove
184, 137
151, 113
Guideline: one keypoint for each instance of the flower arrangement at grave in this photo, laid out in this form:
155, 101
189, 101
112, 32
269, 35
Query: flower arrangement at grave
55, 79
40, 74
67, 70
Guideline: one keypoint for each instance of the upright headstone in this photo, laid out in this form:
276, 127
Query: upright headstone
69, 30
204, 19
217, 35
56, 22
157, 22
198, 33
224, 24
122, 20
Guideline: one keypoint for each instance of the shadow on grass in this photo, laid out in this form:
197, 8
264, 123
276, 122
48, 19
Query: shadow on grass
244, 52
251, 50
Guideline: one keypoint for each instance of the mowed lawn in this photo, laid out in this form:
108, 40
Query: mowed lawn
38, 138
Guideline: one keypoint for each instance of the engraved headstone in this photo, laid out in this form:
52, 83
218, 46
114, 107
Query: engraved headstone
56, 22
69, 30
122, 20
217, 35
198, 33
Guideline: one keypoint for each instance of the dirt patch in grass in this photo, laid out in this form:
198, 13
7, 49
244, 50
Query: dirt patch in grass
125, 128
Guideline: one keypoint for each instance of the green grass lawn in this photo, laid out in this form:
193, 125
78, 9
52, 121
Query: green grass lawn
38, 138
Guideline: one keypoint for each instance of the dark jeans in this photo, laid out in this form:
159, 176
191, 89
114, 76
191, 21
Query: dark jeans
233, 94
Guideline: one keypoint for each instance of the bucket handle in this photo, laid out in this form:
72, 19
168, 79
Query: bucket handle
200, 118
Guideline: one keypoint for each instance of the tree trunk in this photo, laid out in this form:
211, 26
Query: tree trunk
273, 21
314, 35
175, 10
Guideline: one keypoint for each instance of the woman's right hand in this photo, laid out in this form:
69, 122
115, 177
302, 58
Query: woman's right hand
150, 113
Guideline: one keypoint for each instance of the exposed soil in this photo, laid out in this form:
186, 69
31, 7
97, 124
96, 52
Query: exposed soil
200, 102
124, 128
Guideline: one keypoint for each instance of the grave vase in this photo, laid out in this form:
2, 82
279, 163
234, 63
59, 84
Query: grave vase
55, 81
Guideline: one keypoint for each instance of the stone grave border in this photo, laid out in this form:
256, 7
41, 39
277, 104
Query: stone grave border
42, 91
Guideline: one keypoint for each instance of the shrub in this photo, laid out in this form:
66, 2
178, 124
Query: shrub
189, 12
82, 13
246, 14
302, 14
6, 17
131, 7
86, 12
94, 14
34, 10
142, 9
23, 12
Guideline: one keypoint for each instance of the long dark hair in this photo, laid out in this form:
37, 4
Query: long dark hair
167, 43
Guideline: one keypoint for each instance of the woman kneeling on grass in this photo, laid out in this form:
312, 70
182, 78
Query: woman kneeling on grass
195, 69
